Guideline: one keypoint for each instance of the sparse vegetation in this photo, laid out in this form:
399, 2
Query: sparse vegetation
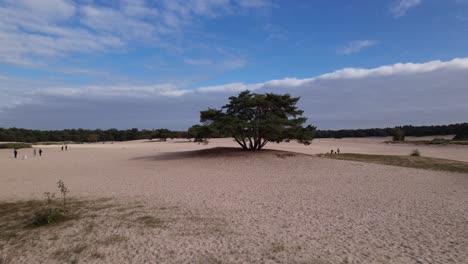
5, 259
150, 221
278, 247
434, 141
83, 217
405, 161
64, 191
45, 216
50, 213
439, 141
398, 135
113, 239
15, 145
415, 153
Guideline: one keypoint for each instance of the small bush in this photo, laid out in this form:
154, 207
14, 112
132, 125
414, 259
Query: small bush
462, 133
49, 213
15, 145
415, 153
398, 135
47, 216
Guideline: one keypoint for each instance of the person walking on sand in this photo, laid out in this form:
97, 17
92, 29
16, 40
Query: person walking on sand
15, 152
34, 152
66, 147
40, 152
338, 151
62, 147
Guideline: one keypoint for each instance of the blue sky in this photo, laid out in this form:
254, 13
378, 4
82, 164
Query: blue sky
127, 63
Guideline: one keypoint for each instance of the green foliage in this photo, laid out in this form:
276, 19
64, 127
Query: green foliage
410, 131
200, 134
15, 145
92, 138
50, 213
45, 216
63, 190
162, 134
415, 153
398, 135
68, 136
462, 133
253, 120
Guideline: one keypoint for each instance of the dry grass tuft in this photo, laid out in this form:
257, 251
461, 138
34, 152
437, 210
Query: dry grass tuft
285, 155
150, 221
113, 239
5, 259
278, 247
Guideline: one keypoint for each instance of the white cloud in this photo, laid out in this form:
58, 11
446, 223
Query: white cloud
34, 31
232, 63
398, 69
403, 6
255, 3
82, 71
225, 64
356, 46
198, 62
403, 93
274, 32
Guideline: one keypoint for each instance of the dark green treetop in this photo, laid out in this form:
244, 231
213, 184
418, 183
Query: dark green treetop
253, 120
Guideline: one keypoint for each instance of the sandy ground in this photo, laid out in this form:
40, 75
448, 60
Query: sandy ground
237, 207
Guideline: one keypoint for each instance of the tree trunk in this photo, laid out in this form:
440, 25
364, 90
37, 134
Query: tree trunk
242, 144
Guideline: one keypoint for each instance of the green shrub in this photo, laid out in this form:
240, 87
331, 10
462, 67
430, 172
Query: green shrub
15, 145
47, 216
50, 213
462, 133
398, 135
415, 153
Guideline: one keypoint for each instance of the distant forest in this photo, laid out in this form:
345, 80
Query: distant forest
98, 135
411, 131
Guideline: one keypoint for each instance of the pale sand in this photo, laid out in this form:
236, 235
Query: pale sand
244, 207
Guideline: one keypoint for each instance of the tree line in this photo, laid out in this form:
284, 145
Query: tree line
98, 135
85, 135
415, 131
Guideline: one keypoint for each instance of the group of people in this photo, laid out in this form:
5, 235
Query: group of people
15, 153
335, 152
35, 151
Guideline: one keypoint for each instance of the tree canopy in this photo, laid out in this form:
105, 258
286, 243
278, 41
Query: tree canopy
162, 134
462, 133
398, 135
253, 120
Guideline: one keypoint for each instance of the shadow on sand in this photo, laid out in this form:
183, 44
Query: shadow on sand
218, 152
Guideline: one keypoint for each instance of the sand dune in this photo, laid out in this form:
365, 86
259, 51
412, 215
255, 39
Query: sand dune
226, 206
